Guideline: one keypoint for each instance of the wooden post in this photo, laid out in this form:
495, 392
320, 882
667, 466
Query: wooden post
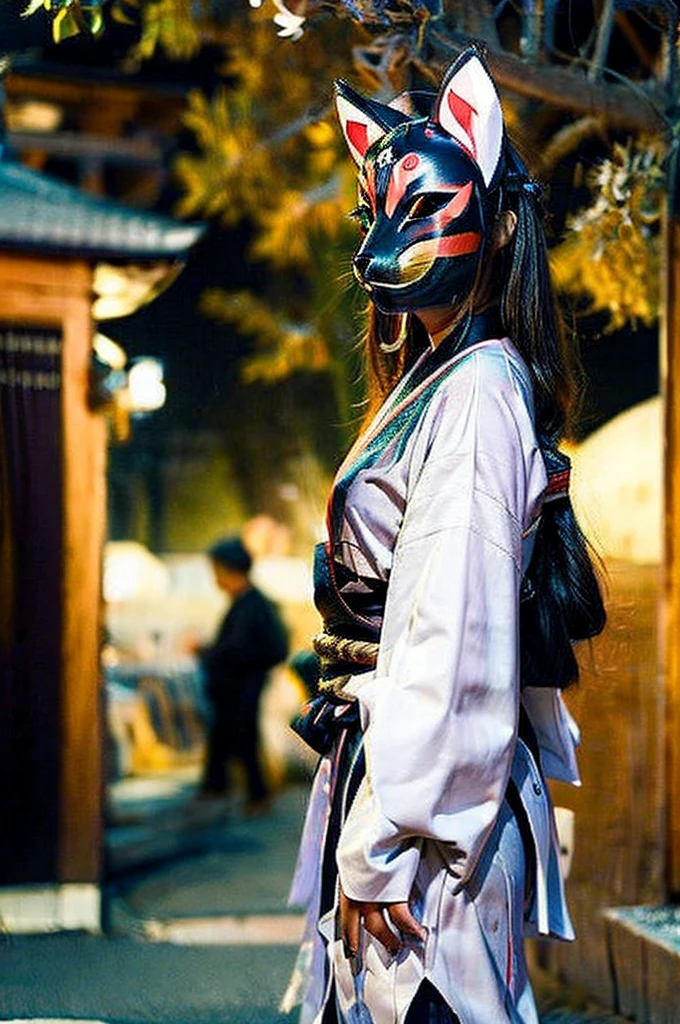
84, 497
670, 384
58, 294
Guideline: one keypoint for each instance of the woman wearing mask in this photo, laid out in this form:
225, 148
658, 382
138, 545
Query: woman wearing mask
452, 584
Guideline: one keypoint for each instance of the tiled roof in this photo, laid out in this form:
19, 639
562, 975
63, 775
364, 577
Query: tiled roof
39, 213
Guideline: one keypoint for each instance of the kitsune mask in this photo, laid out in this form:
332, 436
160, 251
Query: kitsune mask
426, 188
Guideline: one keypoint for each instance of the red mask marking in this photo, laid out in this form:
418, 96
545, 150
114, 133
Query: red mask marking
403, 173
367, 178
463, 111
357, 134
459, 245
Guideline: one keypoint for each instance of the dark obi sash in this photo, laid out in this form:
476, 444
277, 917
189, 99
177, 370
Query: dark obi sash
346, 647
320, 720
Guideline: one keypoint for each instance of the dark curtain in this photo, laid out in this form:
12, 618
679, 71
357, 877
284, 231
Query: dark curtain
30, 601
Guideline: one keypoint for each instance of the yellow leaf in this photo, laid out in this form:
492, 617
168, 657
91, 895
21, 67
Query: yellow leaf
65, 25
96, 22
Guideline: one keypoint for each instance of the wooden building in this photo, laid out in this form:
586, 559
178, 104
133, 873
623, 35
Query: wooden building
53, 237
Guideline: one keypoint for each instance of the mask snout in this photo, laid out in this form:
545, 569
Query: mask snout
363, 262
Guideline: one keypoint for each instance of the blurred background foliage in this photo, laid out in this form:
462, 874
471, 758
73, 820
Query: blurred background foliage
611, 255
590, 91
268, 152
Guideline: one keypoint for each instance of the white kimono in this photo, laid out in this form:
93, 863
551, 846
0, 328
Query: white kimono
443, 513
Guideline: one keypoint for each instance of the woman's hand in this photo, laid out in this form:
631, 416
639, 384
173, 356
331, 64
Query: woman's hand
376, 917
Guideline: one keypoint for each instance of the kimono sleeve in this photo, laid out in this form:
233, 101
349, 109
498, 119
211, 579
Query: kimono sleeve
440, 717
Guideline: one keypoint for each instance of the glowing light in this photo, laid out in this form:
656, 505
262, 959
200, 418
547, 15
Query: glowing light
131, 572
146, 391
109, 351
618, 485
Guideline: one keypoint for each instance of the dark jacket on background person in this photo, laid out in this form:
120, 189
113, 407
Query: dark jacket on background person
249, 642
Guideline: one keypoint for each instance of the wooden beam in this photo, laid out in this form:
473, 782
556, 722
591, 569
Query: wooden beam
44, 279
137, 152
670, 370
100, 106
62, 85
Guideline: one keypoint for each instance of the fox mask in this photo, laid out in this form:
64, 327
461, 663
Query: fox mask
427, 184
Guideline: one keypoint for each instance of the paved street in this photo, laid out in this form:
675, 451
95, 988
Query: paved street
197, 927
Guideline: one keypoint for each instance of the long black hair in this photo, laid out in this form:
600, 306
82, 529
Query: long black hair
560, 596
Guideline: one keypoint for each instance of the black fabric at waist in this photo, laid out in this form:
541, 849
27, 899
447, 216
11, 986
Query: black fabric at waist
354, 615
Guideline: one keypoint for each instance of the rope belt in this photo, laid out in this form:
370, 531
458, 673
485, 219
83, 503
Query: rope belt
333, 649
332, 708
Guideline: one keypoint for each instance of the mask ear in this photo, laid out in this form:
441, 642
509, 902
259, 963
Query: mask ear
363, 121
468, 109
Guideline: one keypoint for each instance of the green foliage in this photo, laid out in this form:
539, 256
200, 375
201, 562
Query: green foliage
270, 154
231, 175
282, 347
167, 25
70, 17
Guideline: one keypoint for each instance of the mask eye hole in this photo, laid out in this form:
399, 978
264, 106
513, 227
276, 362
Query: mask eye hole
363, 216
427, 204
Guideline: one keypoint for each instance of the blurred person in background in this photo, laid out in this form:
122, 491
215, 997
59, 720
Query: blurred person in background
250, 641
